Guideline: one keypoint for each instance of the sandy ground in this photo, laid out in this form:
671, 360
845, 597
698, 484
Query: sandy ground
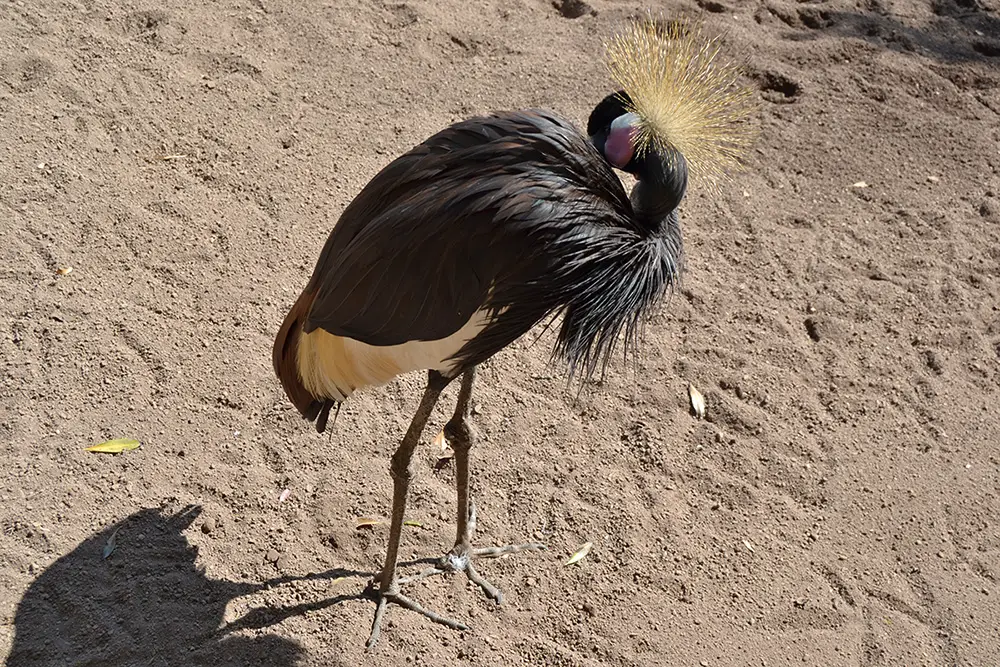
838, 506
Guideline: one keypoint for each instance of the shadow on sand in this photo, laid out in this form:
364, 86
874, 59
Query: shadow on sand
959, 31
148, 605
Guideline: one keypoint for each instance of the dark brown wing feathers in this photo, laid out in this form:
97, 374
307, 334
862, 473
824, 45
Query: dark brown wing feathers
417, 251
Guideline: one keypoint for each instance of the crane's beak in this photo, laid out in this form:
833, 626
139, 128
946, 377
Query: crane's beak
619, 149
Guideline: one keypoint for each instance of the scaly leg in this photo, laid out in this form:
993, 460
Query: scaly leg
460, 437
400, 471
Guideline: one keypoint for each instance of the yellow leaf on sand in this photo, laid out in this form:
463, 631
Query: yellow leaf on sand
115, 446
580, 553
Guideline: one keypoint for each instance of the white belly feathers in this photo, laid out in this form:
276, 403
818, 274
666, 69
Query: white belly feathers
335, 366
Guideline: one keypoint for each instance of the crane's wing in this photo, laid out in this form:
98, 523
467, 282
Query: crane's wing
419, 249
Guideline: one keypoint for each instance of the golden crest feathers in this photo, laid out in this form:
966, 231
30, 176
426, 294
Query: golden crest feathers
687, 96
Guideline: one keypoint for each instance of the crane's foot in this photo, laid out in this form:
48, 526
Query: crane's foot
393, 595
460, 559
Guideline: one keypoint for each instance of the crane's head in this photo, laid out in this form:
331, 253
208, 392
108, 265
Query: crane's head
614, 130
680, 107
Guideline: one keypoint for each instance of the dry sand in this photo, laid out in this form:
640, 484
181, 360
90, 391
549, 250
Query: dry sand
839, 506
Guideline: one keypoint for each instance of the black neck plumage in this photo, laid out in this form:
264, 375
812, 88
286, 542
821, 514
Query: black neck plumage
662, 183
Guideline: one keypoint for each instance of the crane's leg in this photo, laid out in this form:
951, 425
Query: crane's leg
461, 438
400, 471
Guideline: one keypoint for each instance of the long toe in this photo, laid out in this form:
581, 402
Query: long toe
489, 589
462, 557
398, 598
496, 552
412, 605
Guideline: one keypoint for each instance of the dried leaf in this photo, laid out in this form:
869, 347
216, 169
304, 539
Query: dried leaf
64, 270
440, 441
580, 553
697, 401
414, 523
115, 446
445, 451
111, 544
367, 522
284, 495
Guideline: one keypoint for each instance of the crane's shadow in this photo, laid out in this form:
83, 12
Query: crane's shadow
149, 605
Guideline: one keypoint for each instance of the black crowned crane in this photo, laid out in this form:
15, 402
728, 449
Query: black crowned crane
462, 245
